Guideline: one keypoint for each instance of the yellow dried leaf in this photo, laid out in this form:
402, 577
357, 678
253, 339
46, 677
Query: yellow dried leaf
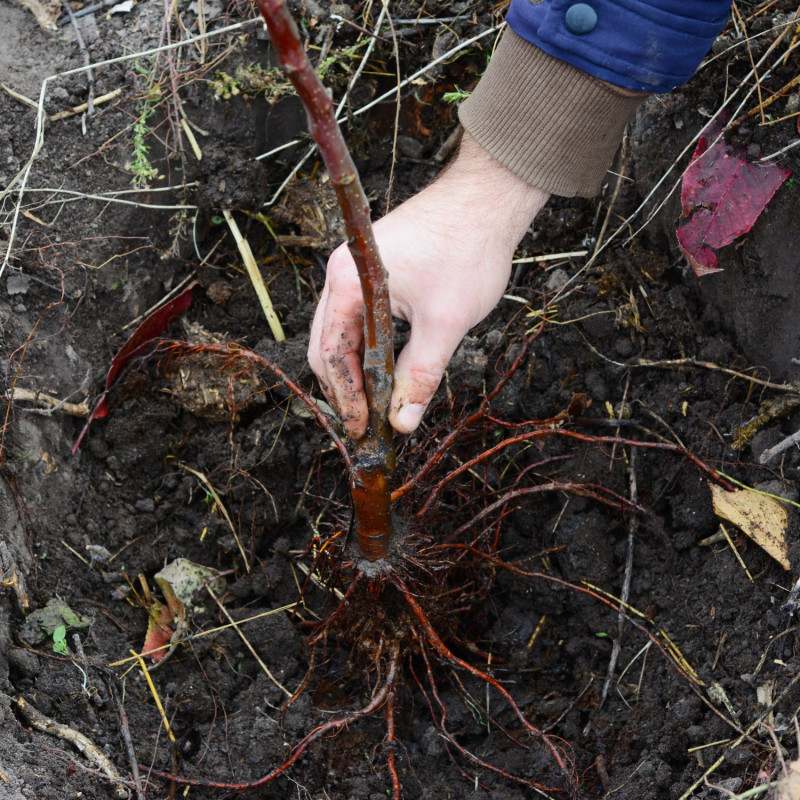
762, 518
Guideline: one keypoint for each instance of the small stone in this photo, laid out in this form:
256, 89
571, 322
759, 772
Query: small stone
219, 292
18, 284
342, 10
623, 348
410, 147
557, 279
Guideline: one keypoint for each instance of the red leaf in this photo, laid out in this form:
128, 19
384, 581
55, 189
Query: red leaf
166, 624
722, 194
148, 329
159, 632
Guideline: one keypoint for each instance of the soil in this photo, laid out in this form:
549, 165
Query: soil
149, 482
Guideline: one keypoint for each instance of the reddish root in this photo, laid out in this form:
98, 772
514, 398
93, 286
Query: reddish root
379, 697
431, 637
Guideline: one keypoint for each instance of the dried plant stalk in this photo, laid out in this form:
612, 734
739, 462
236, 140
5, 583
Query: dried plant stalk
373, 461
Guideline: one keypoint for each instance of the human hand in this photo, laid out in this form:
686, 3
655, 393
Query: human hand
448, 253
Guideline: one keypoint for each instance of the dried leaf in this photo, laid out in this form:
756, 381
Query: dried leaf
762, 518
150, 327
159, 632
178, 581
723, 194
165, 625
183, 578
41, 623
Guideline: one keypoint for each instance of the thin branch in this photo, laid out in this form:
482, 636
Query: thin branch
373, 461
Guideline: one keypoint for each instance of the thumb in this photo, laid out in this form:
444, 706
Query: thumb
419, 371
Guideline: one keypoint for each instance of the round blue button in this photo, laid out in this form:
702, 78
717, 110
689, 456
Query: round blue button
580, 18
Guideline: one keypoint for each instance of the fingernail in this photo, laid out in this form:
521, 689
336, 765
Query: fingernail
408, 417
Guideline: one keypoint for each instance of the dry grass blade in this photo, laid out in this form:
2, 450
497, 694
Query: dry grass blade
156, 698
47, 403
210, 632
79, 109
254, 274
17, 96
205, 481
247, 643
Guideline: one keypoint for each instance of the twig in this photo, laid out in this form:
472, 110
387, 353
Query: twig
693, 362
247, 643
17, 96
88, 10
125, 732
449, 144
85, 53
198, 153
255, 278
550, 257
114, 197
81, 743
770, 453
71, 112
789, 146
47, 402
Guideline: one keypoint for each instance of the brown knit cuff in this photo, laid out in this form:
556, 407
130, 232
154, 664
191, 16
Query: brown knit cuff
551, 124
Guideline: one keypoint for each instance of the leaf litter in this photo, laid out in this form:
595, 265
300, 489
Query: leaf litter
723, 194
761, 517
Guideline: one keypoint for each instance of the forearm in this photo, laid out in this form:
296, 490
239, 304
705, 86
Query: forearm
489, 194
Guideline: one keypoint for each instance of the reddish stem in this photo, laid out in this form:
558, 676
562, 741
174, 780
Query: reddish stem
373, 461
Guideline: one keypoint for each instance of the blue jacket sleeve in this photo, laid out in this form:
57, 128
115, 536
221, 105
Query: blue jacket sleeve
644, 45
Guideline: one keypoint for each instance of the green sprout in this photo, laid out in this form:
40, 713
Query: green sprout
140, 165
455, 97
60, 640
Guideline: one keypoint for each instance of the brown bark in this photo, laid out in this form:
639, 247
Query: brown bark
373, 455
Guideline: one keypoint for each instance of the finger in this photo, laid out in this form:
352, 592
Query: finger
314, 354
419, 370
339, 351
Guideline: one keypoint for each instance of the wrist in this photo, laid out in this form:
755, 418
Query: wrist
488, 195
